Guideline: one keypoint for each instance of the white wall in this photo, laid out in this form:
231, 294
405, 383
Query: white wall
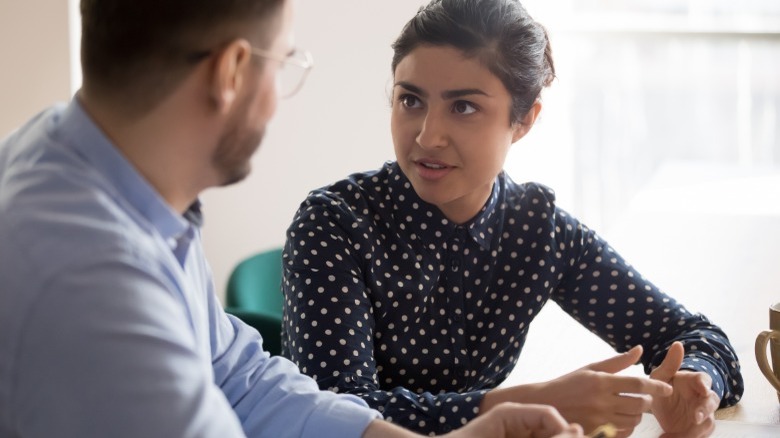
35, 58
338, 124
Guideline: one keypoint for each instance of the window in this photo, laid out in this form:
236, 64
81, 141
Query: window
645, 83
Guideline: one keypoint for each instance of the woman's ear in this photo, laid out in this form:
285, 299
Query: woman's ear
525, 125
229, 68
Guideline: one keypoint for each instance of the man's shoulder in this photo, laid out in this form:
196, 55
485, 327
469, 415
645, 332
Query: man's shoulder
55, 212
60, 226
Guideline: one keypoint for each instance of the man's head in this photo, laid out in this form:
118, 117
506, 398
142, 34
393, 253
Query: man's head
137, 51
200, 75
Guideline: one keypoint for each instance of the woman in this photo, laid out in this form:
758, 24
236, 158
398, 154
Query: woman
413, 286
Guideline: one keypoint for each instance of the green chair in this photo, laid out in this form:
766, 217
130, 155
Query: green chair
254, 295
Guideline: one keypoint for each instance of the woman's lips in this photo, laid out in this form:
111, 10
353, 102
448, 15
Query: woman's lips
432, 170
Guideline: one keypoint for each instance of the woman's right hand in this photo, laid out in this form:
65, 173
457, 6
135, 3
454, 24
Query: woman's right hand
592, 395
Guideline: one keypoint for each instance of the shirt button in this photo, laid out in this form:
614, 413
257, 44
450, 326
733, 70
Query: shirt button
455, 265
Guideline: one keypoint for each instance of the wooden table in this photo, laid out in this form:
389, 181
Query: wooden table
713, 243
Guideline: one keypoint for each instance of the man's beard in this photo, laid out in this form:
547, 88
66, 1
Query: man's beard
232, 157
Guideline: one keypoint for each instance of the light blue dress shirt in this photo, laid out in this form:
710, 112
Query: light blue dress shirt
109, 325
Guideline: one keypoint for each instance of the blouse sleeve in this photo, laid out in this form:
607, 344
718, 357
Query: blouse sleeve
328, 327
610, 298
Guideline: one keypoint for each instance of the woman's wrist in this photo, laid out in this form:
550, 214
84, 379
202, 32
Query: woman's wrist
516, 394
384, 429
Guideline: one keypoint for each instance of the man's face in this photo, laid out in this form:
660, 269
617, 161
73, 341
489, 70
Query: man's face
253, 109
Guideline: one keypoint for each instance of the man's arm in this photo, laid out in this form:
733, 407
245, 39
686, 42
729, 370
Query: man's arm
107, 350
270, 395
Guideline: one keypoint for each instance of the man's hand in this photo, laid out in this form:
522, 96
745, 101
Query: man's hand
507, 420
521, 421
690, 410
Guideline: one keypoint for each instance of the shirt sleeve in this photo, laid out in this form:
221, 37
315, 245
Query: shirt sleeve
109, 351
610, 298
270, 395
328, 327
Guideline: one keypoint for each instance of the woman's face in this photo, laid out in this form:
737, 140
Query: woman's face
451, 128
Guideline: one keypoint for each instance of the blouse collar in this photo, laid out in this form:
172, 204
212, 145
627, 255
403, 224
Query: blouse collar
426, 222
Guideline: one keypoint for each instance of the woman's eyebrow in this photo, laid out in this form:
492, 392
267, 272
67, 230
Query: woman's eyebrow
411, 88
454, 94
446, 95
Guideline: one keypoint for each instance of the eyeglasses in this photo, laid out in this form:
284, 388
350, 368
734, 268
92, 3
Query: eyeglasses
293, 67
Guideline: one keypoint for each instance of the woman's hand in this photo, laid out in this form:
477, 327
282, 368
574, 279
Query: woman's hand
690, 410
593, 395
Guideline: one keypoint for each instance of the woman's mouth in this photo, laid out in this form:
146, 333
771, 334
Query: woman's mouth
432, 170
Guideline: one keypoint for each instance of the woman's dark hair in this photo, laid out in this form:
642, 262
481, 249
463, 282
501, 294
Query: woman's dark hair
500, 33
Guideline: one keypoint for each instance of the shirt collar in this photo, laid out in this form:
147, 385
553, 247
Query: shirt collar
80, 133
430, 224
482, 226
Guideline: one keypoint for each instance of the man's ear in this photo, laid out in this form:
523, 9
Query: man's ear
229, 68
521, 128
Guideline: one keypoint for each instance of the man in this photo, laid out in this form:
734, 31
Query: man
109, 325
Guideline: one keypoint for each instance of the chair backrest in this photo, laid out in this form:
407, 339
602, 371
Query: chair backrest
255, 285
270, 328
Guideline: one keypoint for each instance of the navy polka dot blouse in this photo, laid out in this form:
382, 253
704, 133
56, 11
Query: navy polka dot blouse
387, 299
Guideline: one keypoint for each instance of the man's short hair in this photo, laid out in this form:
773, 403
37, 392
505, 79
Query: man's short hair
135, 52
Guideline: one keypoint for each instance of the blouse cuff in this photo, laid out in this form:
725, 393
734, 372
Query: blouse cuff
702, 365
455, 410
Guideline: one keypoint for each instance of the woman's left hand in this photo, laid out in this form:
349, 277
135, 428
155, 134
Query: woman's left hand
690, 410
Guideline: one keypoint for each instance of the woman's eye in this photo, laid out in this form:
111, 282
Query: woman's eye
409, 100
463, 107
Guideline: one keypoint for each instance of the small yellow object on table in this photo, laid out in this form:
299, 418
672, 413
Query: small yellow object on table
605, 431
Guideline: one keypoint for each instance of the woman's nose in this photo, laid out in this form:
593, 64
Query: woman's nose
433, 132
